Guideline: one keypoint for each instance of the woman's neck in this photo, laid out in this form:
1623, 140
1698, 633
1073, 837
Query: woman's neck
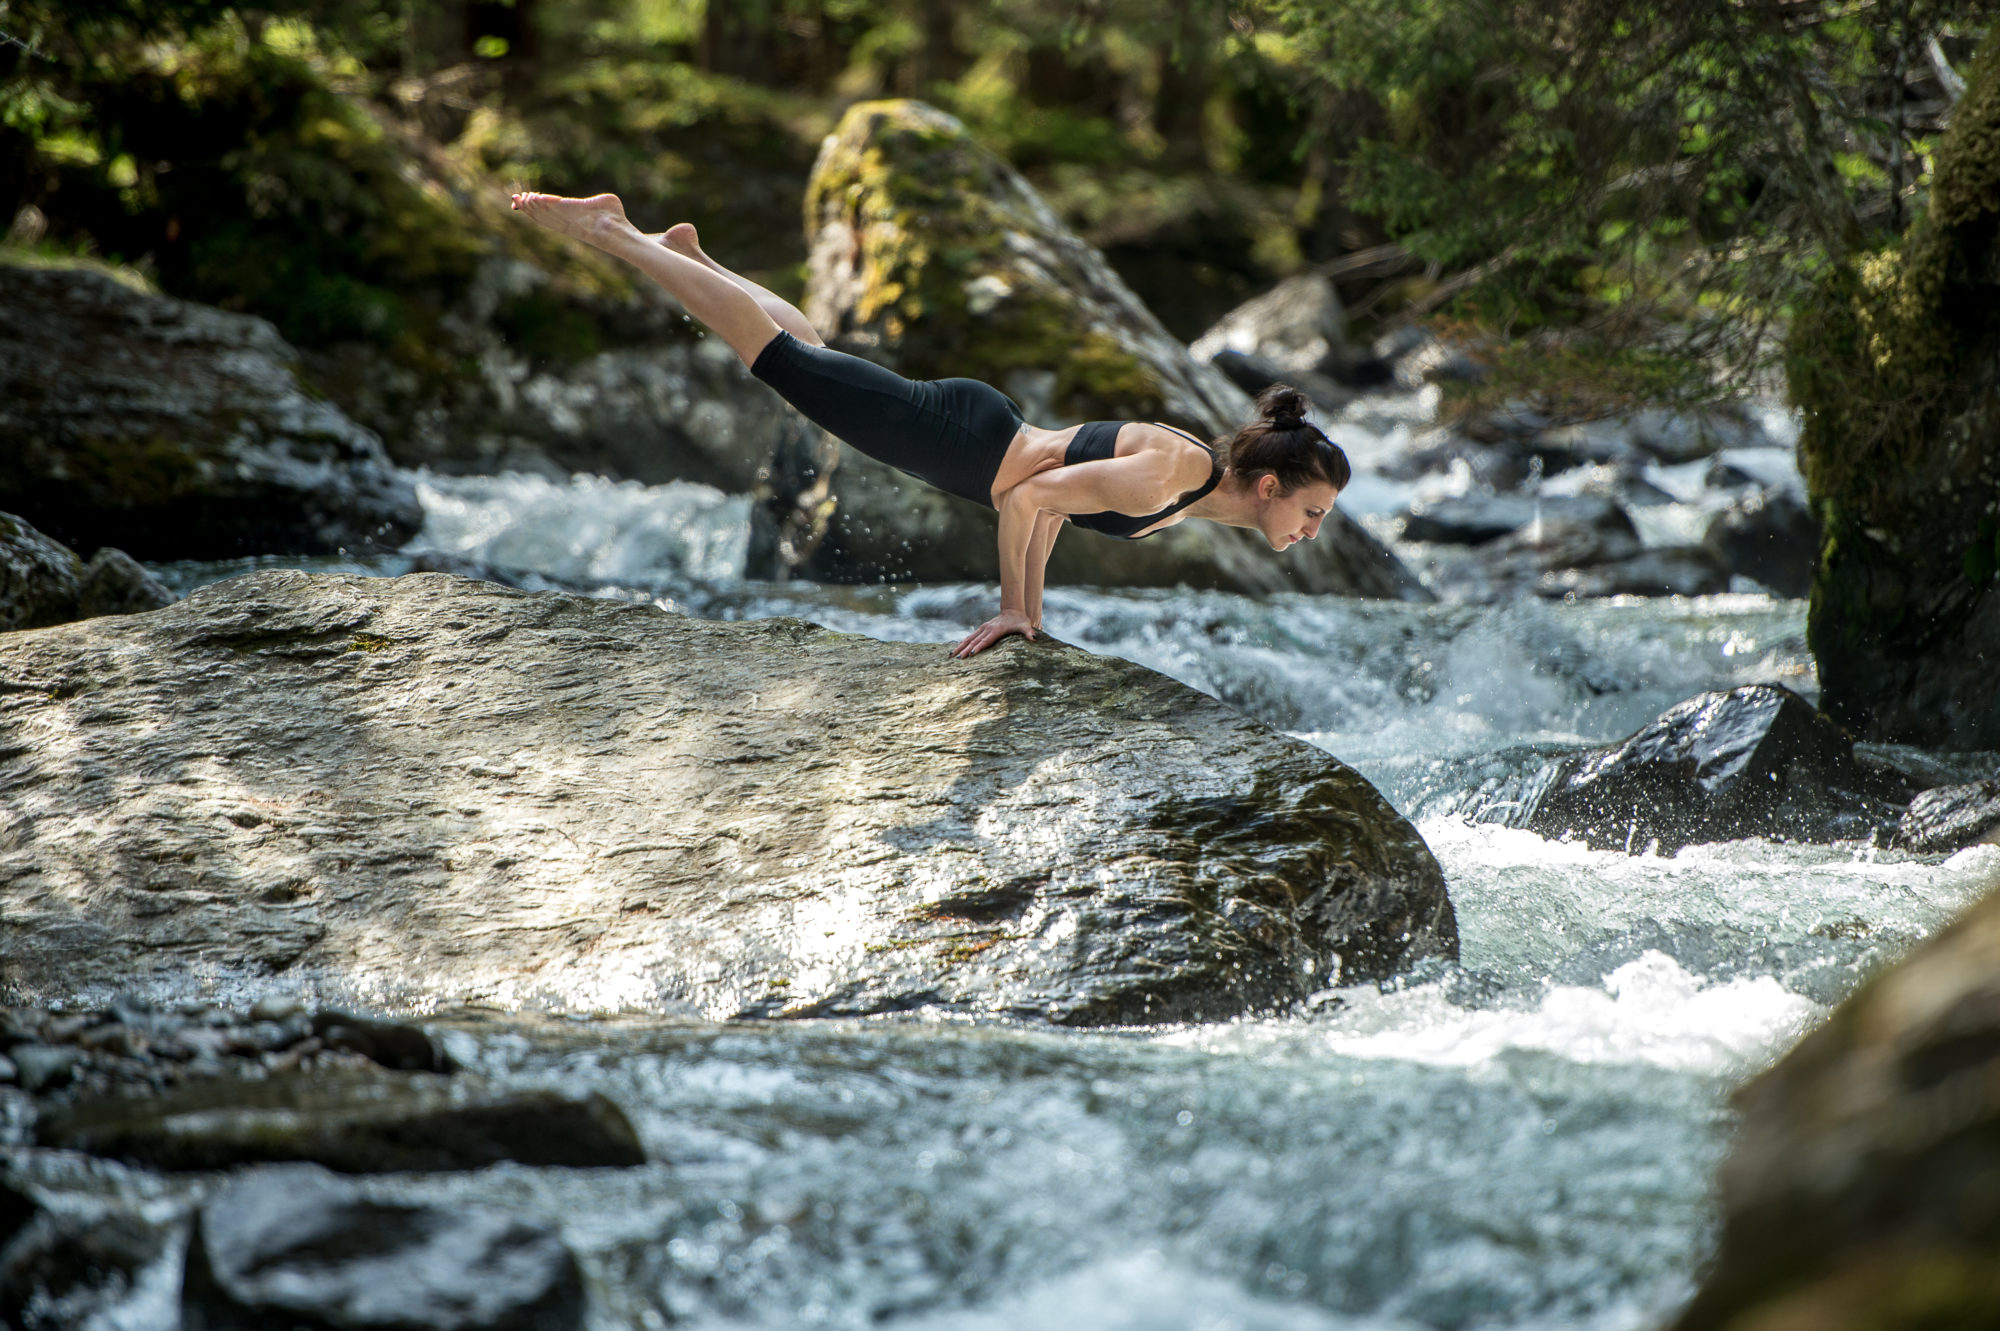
1230, 504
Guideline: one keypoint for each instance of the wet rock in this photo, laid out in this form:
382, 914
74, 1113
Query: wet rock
295, 1247
1863, 1187
370, 1123
42, 582
176, 431
1474, 519
389, 1043
1254, 374
1769, 536
935, 257
1297, 327
1951, 818
443, 789
1681, 436
1753, 761
17, 1208
39, 577
8, 1071
39, 1067
114, 583
1680, 570
74, 1268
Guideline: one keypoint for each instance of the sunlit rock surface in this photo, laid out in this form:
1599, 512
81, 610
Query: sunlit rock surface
1952, 817
176, 431
1864, 1187
935, 257
430, 788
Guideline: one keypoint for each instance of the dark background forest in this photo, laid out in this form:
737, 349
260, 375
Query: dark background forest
1632, 195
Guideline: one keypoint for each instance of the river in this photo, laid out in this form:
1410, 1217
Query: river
1524, 1140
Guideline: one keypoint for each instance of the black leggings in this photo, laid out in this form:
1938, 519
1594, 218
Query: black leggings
950, 432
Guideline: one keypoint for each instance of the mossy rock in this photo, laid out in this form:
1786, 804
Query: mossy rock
1859, 1194
1895, 365
931, 254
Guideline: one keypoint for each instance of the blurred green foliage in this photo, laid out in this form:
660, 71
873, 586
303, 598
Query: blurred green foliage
1626, 170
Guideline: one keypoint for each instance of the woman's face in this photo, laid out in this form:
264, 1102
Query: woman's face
1287, 519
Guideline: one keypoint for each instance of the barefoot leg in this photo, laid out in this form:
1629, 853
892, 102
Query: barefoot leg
682, 239
723, 306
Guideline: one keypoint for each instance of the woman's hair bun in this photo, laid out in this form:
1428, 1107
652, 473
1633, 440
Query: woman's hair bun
1283, 405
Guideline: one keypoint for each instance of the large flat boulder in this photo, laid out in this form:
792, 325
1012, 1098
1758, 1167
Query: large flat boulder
1863, 1190
176, 431
935, 257
432, 789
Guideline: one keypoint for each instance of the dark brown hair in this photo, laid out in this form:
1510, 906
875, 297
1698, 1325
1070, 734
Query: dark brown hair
1283, 442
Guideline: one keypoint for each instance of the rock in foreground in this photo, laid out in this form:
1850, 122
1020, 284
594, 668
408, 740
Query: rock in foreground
176, 431
1863, 1192
433, 788
294, 1247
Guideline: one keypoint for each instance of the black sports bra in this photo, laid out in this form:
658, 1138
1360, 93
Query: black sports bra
1098, 440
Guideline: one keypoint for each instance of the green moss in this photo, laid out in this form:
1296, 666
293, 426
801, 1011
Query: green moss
1891, 365
368, 642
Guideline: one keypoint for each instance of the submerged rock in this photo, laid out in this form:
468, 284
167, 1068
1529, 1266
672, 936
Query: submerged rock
438, 788
1863, 1189
175, 430
1753, 761
365, 1124
42, 582
1951, 818
935, 257
295, 1247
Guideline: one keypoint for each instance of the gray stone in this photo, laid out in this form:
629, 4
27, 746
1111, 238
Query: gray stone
40, 1067
356, 1124
1770, 536
1475, 519
1298, 326
176, 431
75, 1268
439, 790
8, 1072
1951, 818
39, 577
1679, 570
294, 1247
114, 583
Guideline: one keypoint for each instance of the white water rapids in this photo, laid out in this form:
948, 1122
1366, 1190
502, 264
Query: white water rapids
1525, 1140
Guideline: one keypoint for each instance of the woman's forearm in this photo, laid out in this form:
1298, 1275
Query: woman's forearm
1018, 515
1048, 526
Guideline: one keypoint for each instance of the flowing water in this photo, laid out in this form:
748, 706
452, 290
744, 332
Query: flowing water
1525, 1139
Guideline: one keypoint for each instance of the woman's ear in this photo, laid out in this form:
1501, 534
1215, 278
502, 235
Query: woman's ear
1267, 485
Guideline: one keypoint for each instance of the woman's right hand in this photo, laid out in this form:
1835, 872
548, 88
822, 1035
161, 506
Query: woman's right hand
1004, 624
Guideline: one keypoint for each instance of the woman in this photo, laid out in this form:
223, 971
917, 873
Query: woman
1277, 475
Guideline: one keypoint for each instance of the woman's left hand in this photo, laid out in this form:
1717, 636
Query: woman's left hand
993, 630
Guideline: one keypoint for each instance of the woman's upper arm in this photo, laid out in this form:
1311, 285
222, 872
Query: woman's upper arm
1138, 483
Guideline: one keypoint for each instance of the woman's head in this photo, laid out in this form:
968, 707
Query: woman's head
1290, 469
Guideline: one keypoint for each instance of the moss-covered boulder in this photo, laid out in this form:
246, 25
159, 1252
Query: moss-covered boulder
1896, 367
1863, 1191
254, 164
176, 431
932, 255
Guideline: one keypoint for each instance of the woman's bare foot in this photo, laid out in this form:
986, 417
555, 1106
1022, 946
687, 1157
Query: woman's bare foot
590, 220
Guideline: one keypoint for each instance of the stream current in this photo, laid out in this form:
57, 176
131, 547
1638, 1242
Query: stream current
1526, 1139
